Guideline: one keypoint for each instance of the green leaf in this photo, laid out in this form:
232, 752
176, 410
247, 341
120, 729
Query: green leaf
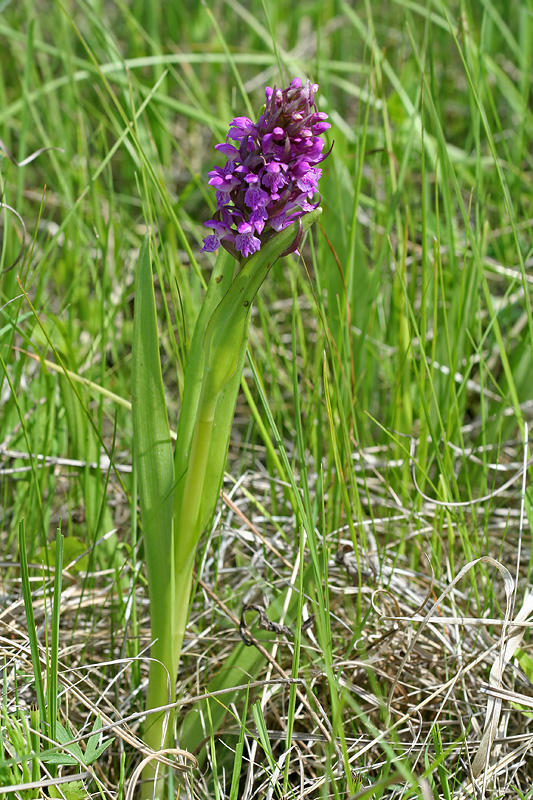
64, 737
74, 790
214, 368
226, 332
59, 758
74, 753
94, 750
220, 281
151, 435
154, 463
219, 443
242, 665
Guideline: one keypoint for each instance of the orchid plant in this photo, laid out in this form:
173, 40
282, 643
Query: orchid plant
267, 197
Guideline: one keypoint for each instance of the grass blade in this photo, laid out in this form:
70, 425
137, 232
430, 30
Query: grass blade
32, 634
52, 688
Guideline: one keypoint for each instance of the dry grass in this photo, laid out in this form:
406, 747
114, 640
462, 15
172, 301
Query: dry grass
411, 652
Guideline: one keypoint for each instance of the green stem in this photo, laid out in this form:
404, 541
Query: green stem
188, 526
172, 618
165, 654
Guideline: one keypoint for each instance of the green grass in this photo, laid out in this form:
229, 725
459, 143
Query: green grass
409, 315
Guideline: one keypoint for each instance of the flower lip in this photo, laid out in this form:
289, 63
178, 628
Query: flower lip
245, 241
271, 175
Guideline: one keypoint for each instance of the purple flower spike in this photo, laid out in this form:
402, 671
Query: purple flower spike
271, 175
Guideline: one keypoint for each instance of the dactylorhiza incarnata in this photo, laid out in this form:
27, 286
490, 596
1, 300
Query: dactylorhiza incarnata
271, 176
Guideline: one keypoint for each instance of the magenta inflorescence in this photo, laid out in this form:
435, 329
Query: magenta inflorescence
271, 175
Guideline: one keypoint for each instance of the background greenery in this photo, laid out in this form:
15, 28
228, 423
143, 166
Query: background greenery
409, 315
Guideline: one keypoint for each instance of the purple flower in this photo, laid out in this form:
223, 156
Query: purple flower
254, 196
271, 174
241, 127
307, 177
245, 241
274, 177
212, 242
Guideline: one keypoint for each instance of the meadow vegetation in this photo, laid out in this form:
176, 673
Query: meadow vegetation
350, 629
